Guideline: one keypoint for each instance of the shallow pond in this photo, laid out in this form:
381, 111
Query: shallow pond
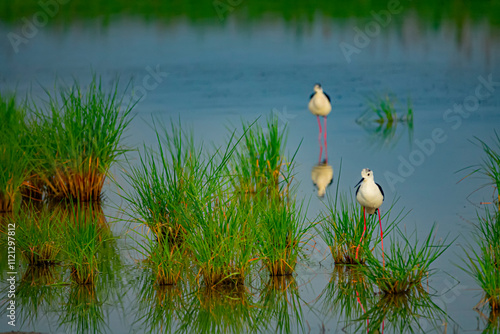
213, 70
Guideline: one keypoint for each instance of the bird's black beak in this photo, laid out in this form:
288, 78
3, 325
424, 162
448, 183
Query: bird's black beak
359, 183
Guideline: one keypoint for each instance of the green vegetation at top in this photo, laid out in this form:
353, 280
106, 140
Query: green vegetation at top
432, 12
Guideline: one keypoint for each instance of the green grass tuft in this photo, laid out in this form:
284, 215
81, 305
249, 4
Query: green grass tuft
79, 134
406, 264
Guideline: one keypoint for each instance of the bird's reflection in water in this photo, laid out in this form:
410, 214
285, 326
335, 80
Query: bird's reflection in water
322, 173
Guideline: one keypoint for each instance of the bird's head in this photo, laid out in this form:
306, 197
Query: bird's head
367, 174
317, 88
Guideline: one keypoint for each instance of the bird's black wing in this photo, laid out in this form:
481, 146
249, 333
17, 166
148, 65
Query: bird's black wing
328, 97
310, 97
379, 187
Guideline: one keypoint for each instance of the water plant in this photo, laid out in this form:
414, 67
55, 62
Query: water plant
281, 310
414, 312
224, 309
81, 250
490, 166
260, 164
221, 238
38, 235
282, 233
406, 263
482, 264
347, 295
381, 108
14, 160
161, 181
80, 131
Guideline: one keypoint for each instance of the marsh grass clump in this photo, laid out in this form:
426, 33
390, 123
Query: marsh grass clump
82, 248
163, 180
406, 264
14, 159
221, 238
79, 130
282, 233
483, 264
381, 108
260, 164
341, 229
166, 259
39, 235
490, 166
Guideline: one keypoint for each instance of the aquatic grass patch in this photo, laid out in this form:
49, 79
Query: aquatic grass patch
489, 168
221, 309
382, 108
382, 116
157, 306
164, 258
341, 228
406, 263
163, 179
414, 312
282, 233
81, 250
83, 311
260, 163
221, 238
482, 261
39, 235
348, 293
280, 308
14, 160
81, 128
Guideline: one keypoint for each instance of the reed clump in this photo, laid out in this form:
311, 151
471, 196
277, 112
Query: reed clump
406, 264
39, 235
79, 132
483, 264
282, 233
260, 165
14, 158
82, 248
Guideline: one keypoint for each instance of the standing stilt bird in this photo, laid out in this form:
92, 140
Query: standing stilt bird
370, 196
320, 105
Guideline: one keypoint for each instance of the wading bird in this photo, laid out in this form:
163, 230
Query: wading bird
319, 105
370, 196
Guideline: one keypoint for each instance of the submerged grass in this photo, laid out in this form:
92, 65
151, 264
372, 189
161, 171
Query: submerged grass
82, 248
39, 235
282, 232
381, 108
483, 264
14, 160
406, 264
79, 132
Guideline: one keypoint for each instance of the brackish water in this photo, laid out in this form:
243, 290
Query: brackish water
212, 70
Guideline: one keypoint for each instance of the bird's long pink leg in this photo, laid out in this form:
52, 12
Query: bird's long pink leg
364, 229
320, 154
326, 147
381, 237
319, 136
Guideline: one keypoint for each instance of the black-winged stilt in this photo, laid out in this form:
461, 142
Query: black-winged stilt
370, 196
320, 105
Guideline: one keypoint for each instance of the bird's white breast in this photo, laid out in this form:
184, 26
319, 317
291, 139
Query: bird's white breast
319, 105
369, 196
